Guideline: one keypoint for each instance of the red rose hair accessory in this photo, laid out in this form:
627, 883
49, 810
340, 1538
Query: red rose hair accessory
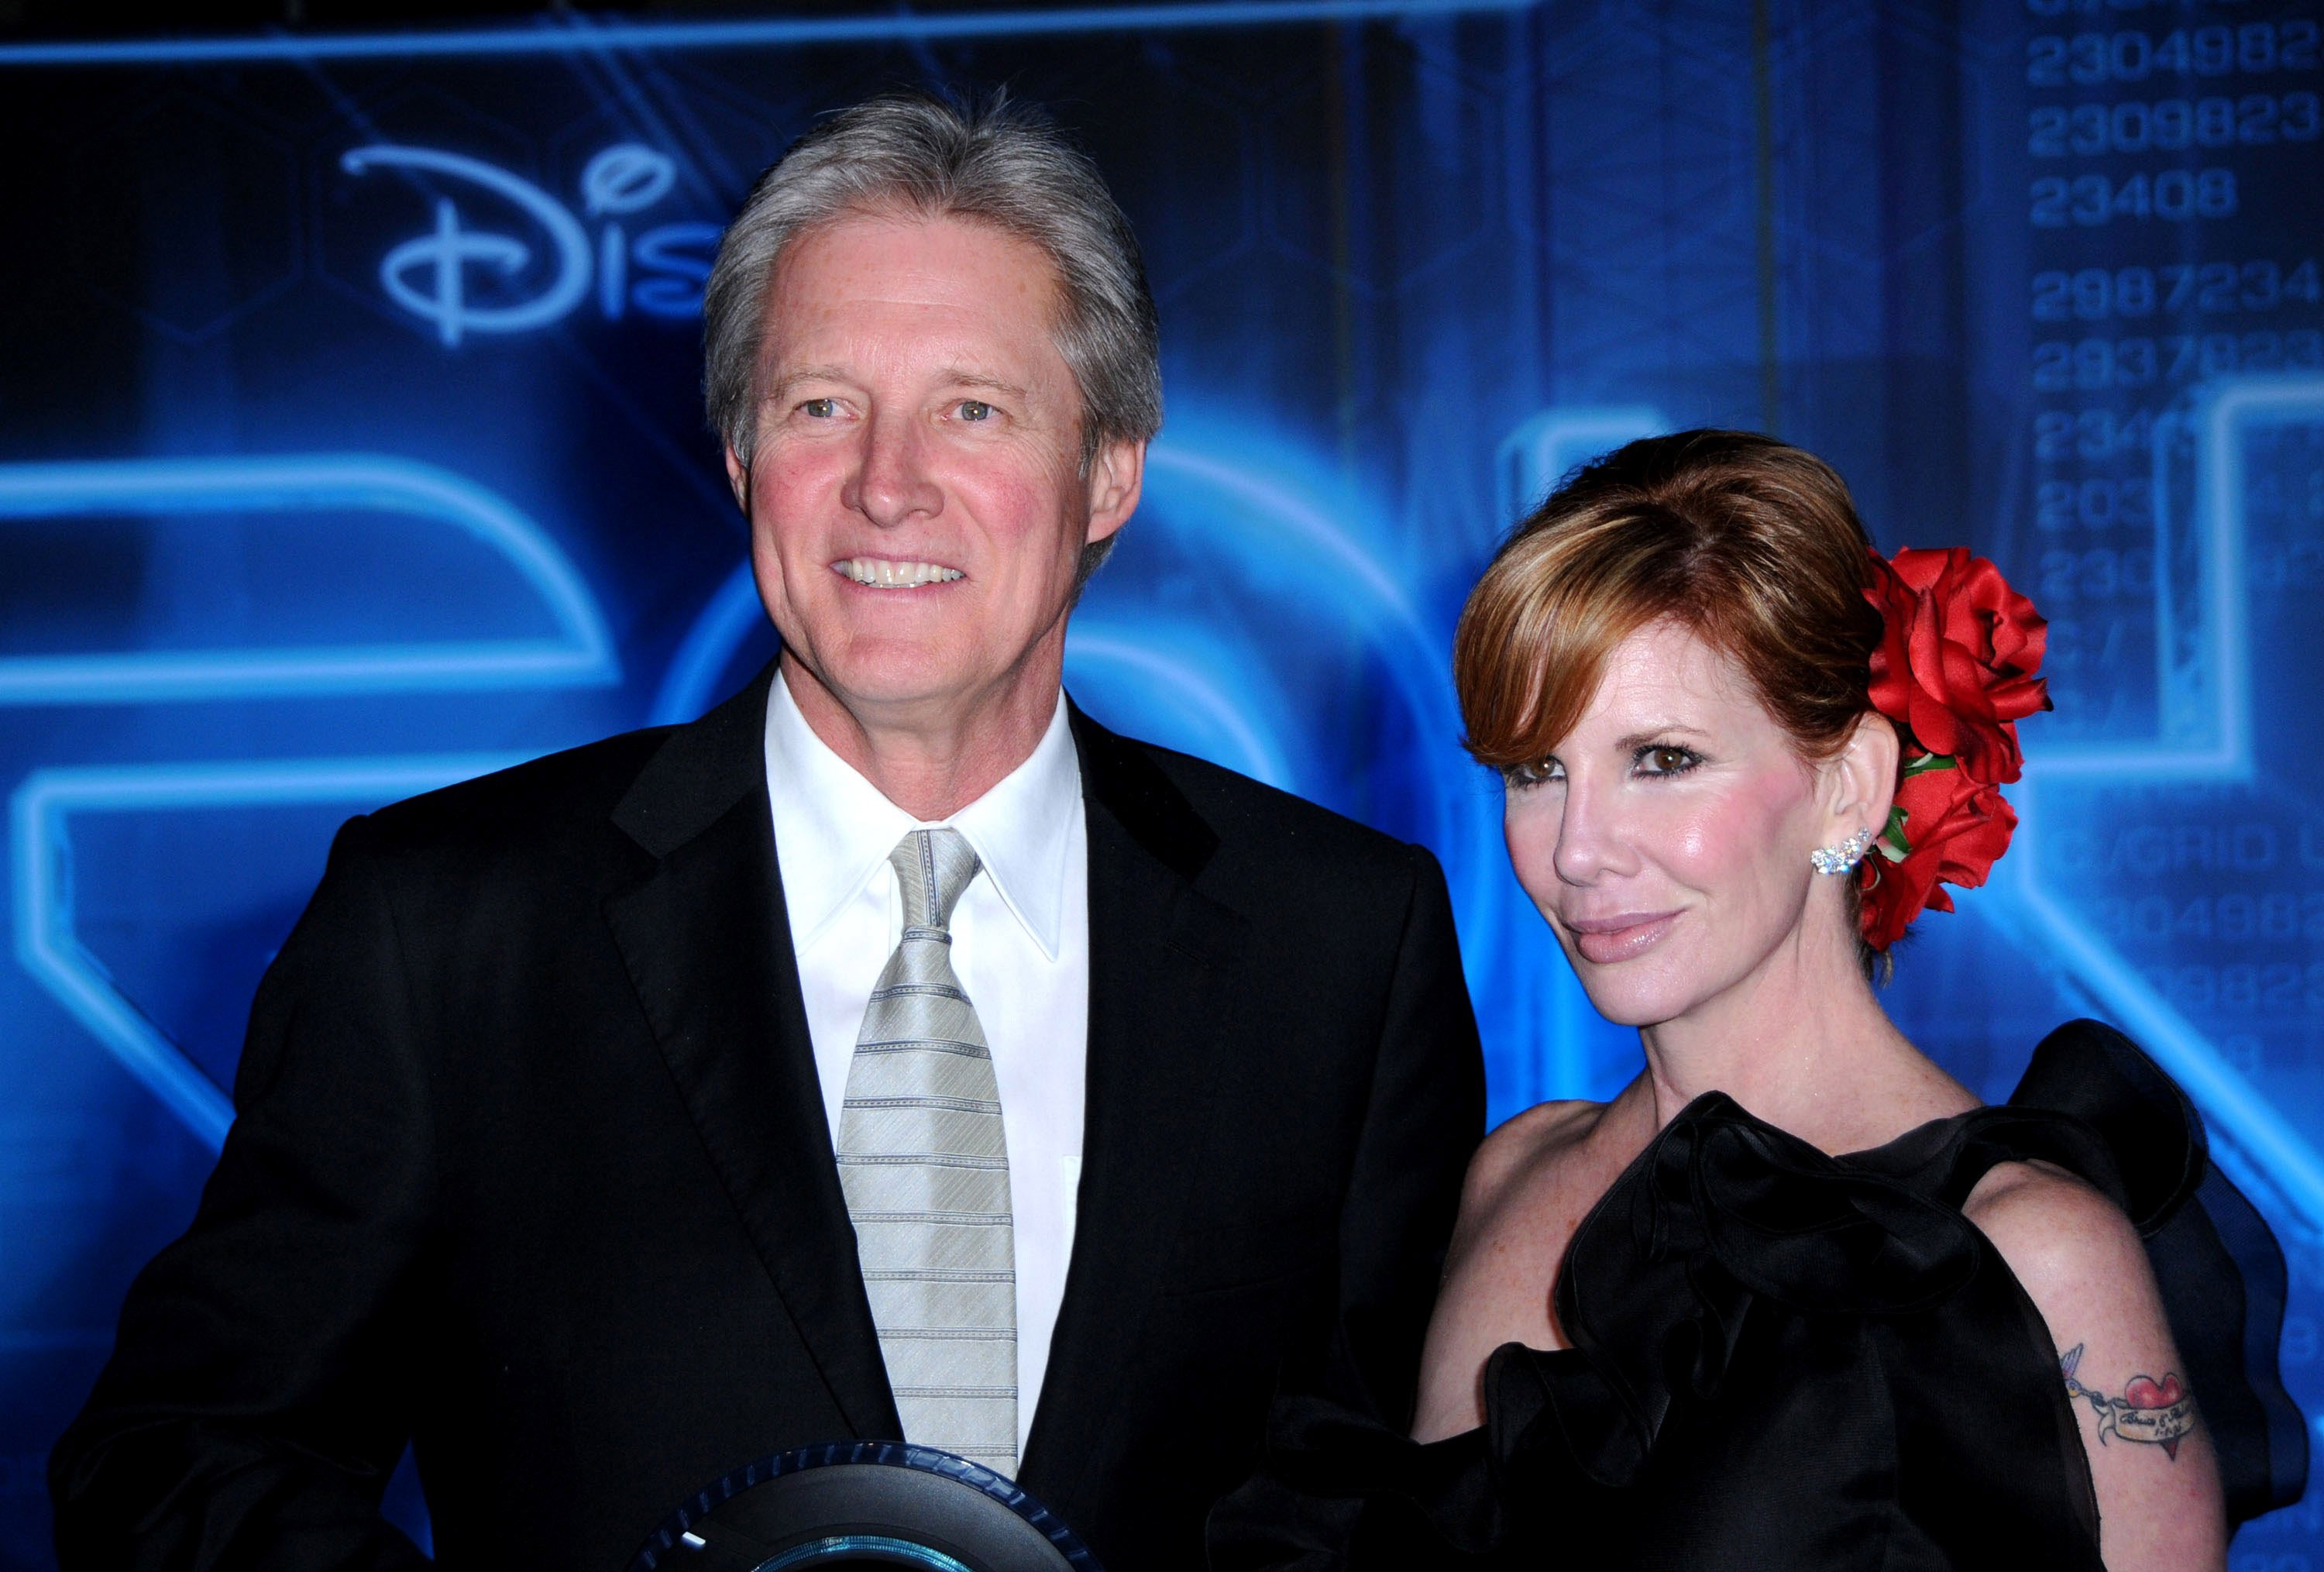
1954, 671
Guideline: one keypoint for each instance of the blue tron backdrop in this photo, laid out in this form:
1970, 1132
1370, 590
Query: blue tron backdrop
349, 444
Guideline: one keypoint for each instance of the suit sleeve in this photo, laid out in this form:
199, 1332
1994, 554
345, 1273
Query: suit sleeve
254, 1406
1424, 1118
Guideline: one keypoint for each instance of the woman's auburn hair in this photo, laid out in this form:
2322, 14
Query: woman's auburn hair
1750, 543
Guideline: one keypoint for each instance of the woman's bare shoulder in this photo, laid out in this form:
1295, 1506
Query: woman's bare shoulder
1521, 1149
2051, 1214
2055, 1228
1526, 1187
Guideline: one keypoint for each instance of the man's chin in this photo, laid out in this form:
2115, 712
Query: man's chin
882, 678
893, 681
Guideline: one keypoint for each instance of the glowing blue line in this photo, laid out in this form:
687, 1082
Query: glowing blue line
771, 33
2146, 761
719, 628
256, 782
2166, 611
582, 654
1419, 672
2235, 405
1306, 520
1428, 702
139, 678
47, 947
1258, 758
2273, 1155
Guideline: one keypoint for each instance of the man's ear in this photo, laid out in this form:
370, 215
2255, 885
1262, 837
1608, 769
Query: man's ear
1861, 779
1117, 476
738, 479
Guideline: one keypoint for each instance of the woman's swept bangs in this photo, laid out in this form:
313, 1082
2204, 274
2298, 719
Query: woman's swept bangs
1750, 543
1542, 624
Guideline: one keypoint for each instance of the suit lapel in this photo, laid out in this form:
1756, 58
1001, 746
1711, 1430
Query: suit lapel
1158, 952
709, 948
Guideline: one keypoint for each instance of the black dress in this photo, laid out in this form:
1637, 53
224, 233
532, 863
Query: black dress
1783, 1359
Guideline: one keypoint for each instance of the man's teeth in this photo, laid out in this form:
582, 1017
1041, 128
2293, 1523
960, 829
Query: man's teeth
882, 574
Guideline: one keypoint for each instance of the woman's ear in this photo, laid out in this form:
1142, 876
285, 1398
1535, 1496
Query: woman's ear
1860, 781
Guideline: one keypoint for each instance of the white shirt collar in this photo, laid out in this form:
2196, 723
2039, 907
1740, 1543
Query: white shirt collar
834, 830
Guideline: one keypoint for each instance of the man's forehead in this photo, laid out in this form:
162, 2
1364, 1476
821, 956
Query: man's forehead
907, 259
957, 301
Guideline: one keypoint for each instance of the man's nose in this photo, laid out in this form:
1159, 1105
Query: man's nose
891, 483
1590, 840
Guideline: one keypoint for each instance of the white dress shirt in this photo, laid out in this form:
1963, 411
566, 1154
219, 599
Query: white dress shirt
1021, 948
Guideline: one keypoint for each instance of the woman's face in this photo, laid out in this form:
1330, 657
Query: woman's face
1667, 839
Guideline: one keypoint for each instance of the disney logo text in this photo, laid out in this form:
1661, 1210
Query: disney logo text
429, 274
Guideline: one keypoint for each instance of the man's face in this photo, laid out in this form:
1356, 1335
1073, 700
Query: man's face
916, 508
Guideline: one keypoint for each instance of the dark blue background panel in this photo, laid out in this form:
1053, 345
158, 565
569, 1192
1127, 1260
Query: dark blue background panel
350, 444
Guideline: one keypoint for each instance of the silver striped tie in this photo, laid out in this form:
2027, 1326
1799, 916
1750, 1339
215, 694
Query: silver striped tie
924, 1166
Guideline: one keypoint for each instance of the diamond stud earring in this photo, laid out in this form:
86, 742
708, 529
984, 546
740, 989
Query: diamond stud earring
1838, 859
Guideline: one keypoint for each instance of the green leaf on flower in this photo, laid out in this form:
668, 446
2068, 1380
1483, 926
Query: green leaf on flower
1892, 842
1928, 762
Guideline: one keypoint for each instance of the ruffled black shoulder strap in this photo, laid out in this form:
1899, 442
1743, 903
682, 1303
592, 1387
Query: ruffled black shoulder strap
2220, 1270
2092, 1102
1944, 1158
1720, 1209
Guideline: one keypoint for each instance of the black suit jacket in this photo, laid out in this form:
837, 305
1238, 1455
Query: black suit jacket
531, 1167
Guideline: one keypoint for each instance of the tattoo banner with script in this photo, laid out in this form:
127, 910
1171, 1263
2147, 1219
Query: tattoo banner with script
2155, 1413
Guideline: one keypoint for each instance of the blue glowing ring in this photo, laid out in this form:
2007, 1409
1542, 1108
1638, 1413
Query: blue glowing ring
905, 1552
665, 1551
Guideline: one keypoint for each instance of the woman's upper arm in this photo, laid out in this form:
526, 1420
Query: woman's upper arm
2151, 1460
1497, 1273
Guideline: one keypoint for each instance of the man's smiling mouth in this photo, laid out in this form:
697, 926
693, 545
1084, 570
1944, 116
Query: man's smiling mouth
880, 573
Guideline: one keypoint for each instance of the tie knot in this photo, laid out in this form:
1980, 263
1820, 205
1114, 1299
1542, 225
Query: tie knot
933, 866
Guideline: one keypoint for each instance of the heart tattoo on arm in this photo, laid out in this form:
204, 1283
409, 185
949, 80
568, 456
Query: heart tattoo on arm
2151, 1411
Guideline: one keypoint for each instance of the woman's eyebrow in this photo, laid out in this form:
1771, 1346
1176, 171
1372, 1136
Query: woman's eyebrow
1639, 739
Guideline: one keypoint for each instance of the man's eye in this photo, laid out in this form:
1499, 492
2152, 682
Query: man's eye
974, 410
819, 409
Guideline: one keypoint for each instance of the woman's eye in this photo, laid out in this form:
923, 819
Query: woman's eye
819, 409
1662, 759
1520, 776
974, 410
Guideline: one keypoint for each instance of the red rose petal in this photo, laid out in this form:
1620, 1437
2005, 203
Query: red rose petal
1955, 670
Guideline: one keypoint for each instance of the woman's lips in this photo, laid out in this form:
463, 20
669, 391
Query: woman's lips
1603, 941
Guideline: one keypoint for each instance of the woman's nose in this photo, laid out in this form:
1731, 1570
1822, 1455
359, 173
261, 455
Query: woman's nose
1590, 841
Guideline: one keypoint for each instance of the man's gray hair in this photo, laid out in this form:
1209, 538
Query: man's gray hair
1000, 163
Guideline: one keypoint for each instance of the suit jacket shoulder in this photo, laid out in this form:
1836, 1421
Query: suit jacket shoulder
1243, 841
653, 789
539, 801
